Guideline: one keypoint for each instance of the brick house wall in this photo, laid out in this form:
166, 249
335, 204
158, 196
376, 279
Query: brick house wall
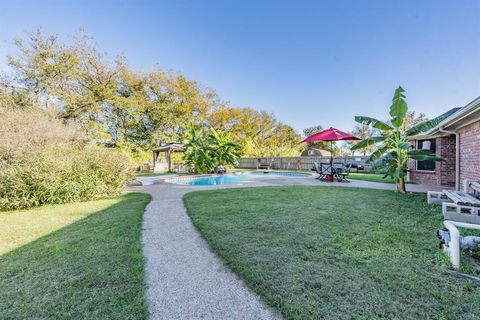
469, 152
447, 166
423, 177
444, 174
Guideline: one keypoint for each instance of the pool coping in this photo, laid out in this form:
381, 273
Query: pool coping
170, 180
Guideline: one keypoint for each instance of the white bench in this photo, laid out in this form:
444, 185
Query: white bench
472, 186
457, 205
436, 197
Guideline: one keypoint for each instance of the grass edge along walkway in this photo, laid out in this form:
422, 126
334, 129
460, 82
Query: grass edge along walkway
372, 177
91, 268
335, 253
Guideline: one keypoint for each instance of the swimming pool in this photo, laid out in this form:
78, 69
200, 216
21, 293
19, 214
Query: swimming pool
233, 178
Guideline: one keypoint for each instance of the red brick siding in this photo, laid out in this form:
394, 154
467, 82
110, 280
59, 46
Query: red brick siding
444, 174
470, 152
447, 166
429, 178
426, 177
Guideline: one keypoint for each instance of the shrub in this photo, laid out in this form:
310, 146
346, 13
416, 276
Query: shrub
43, 161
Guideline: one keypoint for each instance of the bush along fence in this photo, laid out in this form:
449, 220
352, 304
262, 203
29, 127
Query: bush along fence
43, 161
301, 163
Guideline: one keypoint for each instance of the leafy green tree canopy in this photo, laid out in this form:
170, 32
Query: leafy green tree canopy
128, 109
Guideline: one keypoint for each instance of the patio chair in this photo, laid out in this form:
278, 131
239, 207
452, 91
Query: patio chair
323, 170
263, 165
341, 171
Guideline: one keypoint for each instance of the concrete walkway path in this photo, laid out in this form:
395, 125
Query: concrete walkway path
184, 278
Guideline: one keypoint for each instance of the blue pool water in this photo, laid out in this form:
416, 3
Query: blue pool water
232, 178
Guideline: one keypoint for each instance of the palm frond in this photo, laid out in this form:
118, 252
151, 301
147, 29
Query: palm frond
373, 122
378, 153
367, 142
422, 157
383, 160
425, 126
419, 152
405, 145
399, 108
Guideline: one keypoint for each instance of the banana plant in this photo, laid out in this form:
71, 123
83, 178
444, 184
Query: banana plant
198, 154
393, 148
224, 150
205, 152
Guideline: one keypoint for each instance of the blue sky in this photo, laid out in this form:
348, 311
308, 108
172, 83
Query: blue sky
308, 62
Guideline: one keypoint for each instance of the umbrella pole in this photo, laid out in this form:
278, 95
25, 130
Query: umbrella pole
331, 160
331, 153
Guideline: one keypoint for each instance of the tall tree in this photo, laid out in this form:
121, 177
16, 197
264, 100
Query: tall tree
258, 133
42, 67
132, 110
412, 119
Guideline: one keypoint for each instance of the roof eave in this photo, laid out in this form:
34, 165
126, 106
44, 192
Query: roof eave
470, 108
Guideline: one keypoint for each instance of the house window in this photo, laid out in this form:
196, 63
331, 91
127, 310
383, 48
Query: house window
426, 165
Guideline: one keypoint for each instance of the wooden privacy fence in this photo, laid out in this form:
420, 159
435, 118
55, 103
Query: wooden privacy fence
297, 163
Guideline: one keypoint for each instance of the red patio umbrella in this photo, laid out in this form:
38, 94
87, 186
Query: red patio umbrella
331, 134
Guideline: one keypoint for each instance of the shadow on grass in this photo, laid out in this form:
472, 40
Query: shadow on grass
92, 268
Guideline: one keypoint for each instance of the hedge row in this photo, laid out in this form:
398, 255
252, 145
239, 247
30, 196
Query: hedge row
51, 166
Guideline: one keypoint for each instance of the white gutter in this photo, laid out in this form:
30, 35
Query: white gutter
457, 156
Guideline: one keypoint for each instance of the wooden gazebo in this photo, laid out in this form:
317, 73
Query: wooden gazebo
168, 148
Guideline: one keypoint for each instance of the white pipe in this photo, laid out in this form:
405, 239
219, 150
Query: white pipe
457, 156
465, 225
453, 248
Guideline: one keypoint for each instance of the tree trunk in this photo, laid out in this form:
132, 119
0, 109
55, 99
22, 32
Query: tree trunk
401, 185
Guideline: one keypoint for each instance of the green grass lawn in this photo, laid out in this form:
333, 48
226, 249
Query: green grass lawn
374, 177
73, 261
336, 253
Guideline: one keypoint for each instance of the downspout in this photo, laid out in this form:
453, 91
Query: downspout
457, 156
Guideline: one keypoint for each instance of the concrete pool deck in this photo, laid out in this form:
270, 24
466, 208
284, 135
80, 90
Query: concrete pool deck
184, 279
